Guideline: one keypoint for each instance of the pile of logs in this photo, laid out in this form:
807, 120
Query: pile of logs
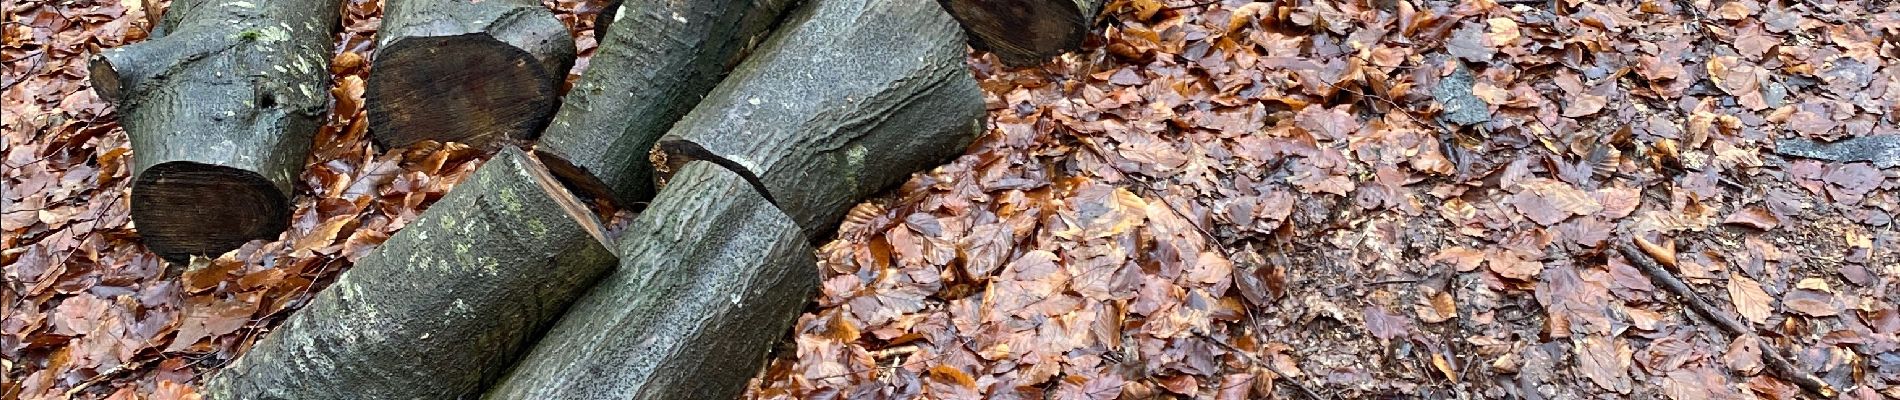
746, 129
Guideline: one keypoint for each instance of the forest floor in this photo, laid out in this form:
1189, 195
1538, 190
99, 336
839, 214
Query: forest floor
1357, 199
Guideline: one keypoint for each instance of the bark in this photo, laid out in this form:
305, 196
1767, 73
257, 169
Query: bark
484, 73
1025, 32
847, 98
647, 73
712, 278
441, 309
220, 105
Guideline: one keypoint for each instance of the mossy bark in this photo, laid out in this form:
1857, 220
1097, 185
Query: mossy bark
650, 69
220, 104
712, 277
848, 97
442, 308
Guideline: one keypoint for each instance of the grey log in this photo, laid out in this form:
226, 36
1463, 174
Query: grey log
1025, 32
712, 279
649, 70
847, 98
441, 309
220, 105
480, 72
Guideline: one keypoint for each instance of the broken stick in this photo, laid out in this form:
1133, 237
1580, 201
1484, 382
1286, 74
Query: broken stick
1771, 355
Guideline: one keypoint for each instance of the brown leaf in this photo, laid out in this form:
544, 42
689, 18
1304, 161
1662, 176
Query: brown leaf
1465, 259
1385, 325
1811, 303
1549, 201
1753, 217
1749, 298
1744, 355
1436, 308
1606, 361
1509, 265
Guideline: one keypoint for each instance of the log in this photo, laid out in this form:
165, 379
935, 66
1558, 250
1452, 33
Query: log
1024, 33
713, 277
647, 73
441, 309
481, 72
220, 105
847, 98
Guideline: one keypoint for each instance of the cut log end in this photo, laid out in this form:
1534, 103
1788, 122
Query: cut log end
488, 94
186, 208
1022, 33
105, 78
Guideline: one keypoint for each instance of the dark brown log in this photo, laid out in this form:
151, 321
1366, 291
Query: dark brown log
481, 72
650, 70
712, 278
442, 308
847, 98
1023, 33
220, 105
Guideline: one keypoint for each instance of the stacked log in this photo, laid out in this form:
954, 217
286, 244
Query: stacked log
850, 97
220, 105
712, 276
441, 309
650, 70
485, 73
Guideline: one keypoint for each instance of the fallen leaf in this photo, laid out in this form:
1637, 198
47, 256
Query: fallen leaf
1749, 298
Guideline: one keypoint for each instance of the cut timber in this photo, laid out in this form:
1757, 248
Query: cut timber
712, 278
441, 309
220, 105
847, 98
480, 72
648, 72
1025, 32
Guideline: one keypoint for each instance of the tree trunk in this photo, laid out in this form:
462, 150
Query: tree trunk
847, 98
648, 72
220, 105
441, 309
712, 278
1023, 33
481, 72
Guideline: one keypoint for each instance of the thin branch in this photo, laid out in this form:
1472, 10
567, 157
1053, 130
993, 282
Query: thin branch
1771, 355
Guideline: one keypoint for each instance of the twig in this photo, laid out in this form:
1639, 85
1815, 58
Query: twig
1771, 355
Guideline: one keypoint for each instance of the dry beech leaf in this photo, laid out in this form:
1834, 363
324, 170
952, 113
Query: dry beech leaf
1464, 259
1605, 361
1753, 217
1749, 298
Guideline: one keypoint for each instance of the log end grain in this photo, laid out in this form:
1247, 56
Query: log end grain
471, 88
186, 208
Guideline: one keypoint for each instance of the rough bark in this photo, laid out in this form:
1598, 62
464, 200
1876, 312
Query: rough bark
1025, 32
441, 309
846, 98
220, 105
648, 72
712, 278
480, 72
